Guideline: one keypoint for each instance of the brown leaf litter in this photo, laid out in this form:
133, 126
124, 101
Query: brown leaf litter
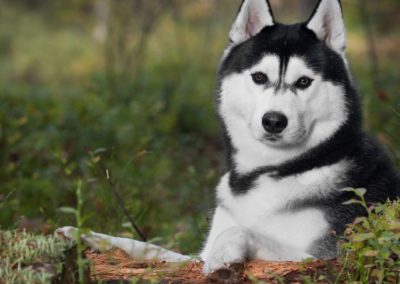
116, 265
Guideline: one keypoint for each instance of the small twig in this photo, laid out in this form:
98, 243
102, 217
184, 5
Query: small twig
7, 197
121, 201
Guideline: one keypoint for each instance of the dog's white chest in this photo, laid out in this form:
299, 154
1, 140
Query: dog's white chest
263, 209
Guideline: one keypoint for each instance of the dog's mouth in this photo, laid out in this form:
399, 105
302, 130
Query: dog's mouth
279, 140
272, 138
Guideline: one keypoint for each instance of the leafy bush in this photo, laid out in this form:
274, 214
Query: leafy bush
371, 245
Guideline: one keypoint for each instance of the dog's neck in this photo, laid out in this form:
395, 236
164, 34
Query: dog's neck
328, 144
248, 154
341, 146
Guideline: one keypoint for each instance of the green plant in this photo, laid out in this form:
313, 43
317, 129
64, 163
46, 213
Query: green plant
371, 245
77, 212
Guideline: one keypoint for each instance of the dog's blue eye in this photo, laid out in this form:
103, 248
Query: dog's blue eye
259, 78
303, 83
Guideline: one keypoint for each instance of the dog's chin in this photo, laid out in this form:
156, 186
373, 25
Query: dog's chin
277, 142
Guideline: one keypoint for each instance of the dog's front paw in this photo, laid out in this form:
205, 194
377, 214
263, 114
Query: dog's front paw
223, 258
231, 247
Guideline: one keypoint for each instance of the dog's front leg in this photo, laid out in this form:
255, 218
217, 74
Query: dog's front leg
238, 244
221, 221
230, 243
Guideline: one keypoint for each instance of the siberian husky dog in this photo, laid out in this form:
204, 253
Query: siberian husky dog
292, 123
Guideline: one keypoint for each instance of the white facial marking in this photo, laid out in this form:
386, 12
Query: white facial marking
269, 65
314, 114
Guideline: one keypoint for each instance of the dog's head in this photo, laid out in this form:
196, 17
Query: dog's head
284, 86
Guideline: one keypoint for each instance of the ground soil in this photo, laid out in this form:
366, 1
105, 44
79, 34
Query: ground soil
117, 265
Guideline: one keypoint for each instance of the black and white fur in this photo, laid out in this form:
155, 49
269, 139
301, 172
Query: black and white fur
282, 195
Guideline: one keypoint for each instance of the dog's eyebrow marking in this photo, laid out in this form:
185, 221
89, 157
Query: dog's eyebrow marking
269, 64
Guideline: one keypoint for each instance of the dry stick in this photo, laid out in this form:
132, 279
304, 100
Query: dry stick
121, 202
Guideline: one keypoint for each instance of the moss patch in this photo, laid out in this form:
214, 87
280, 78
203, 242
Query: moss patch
28, 258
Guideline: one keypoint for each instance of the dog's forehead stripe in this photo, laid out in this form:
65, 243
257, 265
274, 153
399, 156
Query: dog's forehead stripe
284, 61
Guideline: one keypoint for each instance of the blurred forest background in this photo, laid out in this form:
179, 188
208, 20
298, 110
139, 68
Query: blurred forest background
124, 88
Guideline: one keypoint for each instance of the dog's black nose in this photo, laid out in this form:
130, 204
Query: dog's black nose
274, 122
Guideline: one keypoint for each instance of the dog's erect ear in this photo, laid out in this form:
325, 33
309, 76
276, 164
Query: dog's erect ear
253, 16
327, 23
